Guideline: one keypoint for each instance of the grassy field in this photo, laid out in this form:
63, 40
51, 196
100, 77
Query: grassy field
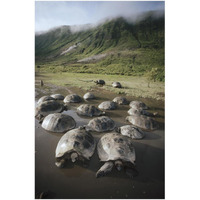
129, 63
132, 85
129, 49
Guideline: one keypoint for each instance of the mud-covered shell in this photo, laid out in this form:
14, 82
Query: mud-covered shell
72, 98
107, 105
131, 131
58, 96
120, 100
116, 85
101, 124
89, 110
133, 111
45, 98
114, 146
143, 122
88, 96
78, 140
138, 105
47, 107
58, 123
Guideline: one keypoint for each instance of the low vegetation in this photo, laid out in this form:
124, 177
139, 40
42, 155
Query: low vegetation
131, 49
132, 85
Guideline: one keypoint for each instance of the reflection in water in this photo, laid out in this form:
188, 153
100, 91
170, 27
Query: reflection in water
77, 181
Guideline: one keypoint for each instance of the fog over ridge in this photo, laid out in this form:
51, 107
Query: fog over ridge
84, 27
49, 14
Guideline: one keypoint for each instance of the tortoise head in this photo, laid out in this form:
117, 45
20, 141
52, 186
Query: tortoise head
74, 156
81, 127
117, 129
87, 128
65, 107
127, 118
103, 113
40, 117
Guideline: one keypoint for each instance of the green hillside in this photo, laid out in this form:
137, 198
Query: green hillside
114, 47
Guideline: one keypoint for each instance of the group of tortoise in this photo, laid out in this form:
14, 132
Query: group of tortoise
115, 147
114, 84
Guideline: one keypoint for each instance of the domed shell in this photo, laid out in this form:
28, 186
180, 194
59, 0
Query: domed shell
58, 123
108, 105
78, 140
100, 82
120, 100
114, 146
89, 110
72, 98
143, 122
133, 111
101, 124
88, 96
47, 107
138, 105
45, 98
131, 131
58, 96
116, 85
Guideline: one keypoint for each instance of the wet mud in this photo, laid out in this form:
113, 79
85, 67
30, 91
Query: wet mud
76, 181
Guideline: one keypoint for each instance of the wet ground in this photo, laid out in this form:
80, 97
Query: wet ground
76, 182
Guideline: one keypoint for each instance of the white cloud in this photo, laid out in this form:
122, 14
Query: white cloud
51, 14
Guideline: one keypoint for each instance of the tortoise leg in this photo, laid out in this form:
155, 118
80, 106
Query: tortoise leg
131, 172
61, 163
86, 163
106, 168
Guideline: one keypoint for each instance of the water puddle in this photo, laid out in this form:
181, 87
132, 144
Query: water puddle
76, 182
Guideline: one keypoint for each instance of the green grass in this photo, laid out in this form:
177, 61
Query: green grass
130, 63
132, 85
132, 49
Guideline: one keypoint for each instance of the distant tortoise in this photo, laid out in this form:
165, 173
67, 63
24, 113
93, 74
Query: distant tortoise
58, 123
138, 105
108, 105
100, 124
45, 98
133, 111
88, 96
120, 100
41, 83
76, 144
100, 82
116, 85
58, 96
89, 110
116, 149
72, 98
131, 131
143, 122
47, 107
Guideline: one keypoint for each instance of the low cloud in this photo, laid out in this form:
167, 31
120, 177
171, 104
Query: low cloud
85, 15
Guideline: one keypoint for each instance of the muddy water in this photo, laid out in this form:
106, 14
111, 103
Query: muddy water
75, 181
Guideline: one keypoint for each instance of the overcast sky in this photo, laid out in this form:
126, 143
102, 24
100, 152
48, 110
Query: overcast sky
49, 14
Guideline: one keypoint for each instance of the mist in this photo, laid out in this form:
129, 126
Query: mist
83, 15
